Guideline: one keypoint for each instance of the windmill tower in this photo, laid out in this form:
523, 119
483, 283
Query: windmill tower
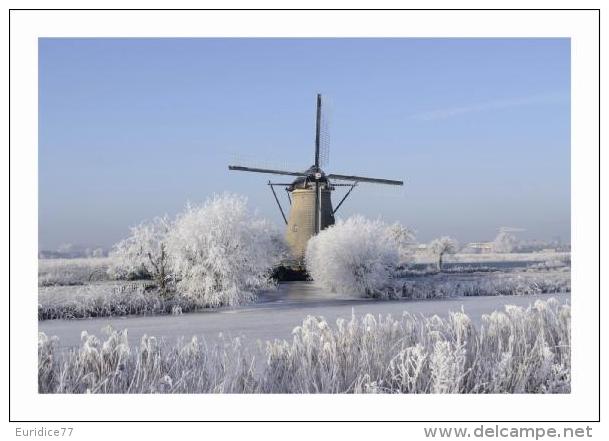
310, 193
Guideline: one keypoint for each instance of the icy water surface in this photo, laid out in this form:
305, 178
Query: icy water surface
276, 315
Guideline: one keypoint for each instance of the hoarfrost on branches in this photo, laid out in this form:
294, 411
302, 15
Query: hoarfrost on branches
406, 241
214, 254
354, 256
222, 253
441, 246
144, 253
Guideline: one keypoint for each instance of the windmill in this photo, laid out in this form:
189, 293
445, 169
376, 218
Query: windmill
309, 194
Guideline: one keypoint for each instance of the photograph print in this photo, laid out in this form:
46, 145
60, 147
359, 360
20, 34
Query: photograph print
304, 215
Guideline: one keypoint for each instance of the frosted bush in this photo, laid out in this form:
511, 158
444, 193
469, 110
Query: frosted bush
144, 253
222, 254
518, 350
354, 256
215, 254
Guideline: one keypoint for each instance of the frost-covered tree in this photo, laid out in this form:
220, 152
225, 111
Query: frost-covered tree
504, 242
405, 239
144, 252
354, 256
94, 252
441, 246
65, 248
222, 253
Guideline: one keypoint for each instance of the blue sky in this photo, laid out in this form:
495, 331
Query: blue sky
479, 129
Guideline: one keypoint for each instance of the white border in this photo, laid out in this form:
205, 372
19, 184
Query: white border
580, 26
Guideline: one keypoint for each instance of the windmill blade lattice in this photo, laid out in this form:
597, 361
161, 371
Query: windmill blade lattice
324, 132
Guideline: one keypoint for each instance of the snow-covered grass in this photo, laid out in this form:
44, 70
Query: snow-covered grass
442, 285
514, 351
108, 299
495, 257
72, 271
549, 265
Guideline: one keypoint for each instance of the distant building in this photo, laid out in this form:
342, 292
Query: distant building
421, 248
478, 248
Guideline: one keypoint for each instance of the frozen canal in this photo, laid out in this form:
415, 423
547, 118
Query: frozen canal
275, 315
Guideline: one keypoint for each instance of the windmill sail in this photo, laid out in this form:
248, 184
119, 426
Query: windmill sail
324, 132
265, 170
364, 179
317, 215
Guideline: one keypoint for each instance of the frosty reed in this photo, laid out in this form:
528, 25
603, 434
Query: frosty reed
518, 350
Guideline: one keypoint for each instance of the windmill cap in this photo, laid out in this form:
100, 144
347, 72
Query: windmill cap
311, 174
